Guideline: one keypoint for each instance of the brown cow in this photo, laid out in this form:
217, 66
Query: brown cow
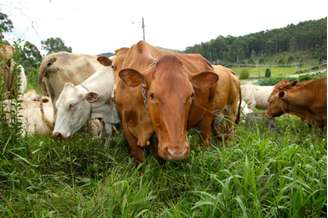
155, 92
227, 101
8, 70
307, 100
6, 66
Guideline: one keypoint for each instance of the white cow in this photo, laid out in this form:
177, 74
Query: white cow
38, 116
91, 99
256, 96
56, 69
31, 95
36, 113
244, 108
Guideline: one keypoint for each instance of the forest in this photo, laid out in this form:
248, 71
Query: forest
308, 36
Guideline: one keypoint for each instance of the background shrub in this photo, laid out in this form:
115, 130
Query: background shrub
267, 73
281, 61
251, 61
244, 74
290, 60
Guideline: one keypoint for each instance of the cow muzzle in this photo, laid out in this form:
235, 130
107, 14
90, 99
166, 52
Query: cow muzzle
268, 115
174, 152
58, 135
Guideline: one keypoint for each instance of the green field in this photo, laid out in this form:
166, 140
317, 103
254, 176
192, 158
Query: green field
304, 61
260, 71
258, 174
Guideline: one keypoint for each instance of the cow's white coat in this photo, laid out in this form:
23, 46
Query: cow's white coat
74, 109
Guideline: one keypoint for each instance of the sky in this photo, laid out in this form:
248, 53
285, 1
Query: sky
98, 26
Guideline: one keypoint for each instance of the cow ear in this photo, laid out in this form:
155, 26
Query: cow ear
131, 77
205, 80
91, 97
68, 84
104, 61
44, 100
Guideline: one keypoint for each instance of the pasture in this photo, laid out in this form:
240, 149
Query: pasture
261, 172
257, 174
260, 71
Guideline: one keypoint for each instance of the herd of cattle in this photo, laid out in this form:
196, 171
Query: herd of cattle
152, 91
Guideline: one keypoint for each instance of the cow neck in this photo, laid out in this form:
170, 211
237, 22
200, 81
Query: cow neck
290, 108
144, 95
144, 87
87, 91
285, 110
97, 112
48, 123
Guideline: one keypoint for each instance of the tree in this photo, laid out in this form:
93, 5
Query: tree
6, 25
290, 60
267, 73
31, 57
55, 45
292, 44
309, 36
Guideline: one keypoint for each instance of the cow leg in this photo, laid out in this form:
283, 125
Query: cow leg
108, 133
205, 127
225, 130
231, 120
135, 151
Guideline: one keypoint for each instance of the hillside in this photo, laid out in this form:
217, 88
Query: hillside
308, 38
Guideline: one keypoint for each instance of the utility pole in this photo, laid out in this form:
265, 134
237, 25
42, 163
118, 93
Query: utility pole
143, 29
142, 26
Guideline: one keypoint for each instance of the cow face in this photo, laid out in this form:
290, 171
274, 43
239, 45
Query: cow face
168, 97
73, 110
277, 104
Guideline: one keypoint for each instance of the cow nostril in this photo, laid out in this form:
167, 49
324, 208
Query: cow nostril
166, 149
58, 135
177, 152
170, 151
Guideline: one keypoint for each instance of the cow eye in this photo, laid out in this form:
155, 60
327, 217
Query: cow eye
153, 98
71, 106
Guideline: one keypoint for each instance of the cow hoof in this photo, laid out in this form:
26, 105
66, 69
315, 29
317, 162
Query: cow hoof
206, 145
138, 160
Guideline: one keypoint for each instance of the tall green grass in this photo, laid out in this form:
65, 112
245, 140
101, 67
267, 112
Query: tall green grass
257, 174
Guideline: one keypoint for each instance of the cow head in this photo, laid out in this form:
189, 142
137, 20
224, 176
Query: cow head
73, 110
168, 97
282, 85
6, 52
278, 98
277, 104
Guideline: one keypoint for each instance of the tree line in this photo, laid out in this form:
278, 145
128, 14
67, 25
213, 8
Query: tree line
309, 36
